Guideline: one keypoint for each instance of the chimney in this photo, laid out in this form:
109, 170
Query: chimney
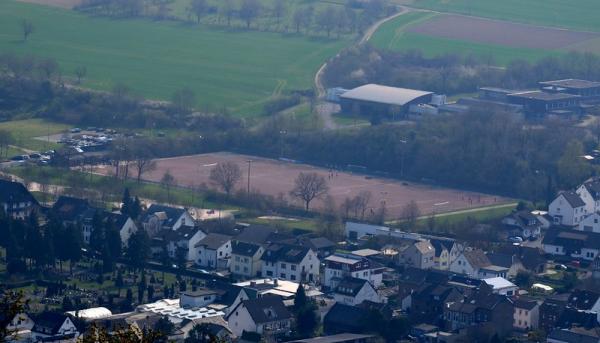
252, 283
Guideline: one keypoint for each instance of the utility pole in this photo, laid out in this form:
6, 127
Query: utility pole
249, 164
402, 158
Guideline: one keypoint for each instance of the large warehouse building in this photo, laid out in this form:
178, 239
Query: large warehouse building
372, 99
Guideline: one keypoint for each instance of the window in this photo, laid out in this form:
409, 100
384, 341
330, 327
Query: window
237, 258
293, 277
269, 273
293, 267
282, 275
283, 266
245, 269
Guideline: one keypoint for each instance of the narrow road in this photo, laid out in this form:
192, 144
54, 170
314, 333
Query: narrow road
364, 39
324, 111
468, 210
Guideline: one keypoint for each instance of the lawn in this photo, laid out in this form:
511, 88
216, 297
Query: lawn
573, 14
23, 131
225, 67
392, 36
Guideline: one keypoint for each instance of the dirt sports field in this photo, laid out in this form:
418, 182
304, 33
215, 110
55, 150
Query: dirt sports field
274, 177
498, 32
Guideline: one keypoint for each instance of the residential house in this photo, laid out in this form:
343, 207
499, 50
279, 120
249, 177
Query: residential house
551, 311
71, 211
289, 262
429, 300
339, 338
245, 259
483, 313
419, 254
527, 314
475, 263
201, 297
286, 290
16, 201
573, 243
530, 259
322, 246
584, 301
262, 235
446, 251
52, 326
266, 316
344, 318
213, 251
501, 286
589, 192
228, 295
590, 223
339, 266
180, 243
159, 217
523, 224
353, 291
567, 209
122, 223
574, 335
511, 262
19, 327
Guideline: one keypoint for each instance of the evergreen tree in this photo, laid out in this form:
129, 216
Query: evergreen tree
138, 249
73, 243
150, 293
97, 237
119, 283
300, 300
127, 203
67, 304
136, 208
306, 317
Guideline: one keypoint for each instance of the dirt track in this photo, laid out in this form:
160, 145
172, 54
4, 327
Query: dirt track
489, 31
275, 177
58, 3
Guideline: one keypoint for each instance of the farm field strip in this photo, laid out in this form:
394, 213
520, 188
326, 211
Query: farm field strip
572, 14
225, 67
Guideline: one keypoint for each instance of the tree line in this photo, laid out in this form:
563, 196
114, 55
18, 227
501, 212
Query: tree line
452, 73
278, 16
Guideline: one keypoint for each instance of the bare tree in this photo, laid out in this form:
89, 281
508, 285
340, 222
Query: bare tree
249, 10
143, 162
411, 212
309, 186
279, 10
302, 17
168, 181
47, 68
27, 29
199, 8
326, 19
226, 175
361, 203
184, 100
227, 10
80, 72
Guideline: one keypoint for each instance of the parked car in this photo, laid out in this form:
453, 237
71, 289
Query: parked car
515, 239
75, 130
560, 267
35, 156
20, 158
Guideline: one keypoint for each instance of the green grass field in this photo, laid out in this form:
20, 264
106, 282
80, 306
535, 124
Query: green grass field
23, 132
237, 69
392, 36
573, 14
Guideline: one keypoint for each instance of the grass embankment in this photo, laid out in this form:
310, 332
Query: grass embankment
393, 36
111, 189
225, 67
24, 131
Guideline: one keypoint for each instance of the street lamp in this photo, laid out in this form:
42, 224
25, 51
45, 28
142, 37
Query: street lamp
249, 164
402, 158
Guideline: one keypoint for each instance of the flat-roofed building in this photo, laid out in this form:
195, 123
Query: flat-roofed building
383, 101
538, 102
583, 88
